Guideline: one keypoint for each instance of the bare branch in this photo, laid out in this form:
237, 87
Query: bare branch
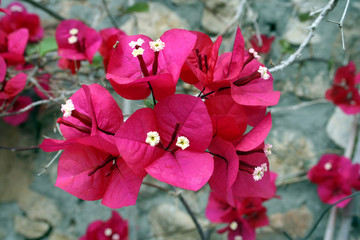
298, 106
238, 13
49, 163
331, 4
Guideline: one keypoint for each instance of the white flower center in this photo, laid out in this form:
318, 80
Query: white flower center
258, 173
263, 72
234, 225
115, 236
139, 42
74, 31
108, 232
137, 52
328, 166
267, 149
183, 142
16, 8
67, 108
152, 138
157, 45
238, 237
264, 167
72, 39
254, 53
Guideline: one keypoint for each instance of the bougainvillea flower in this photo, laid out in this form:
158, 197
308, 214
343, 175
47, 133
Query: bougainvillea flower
20, 18
109, 37
84, 114
12, 87
265, 47
72, 65
92, 169
76, 41
334, 175
343, 91
43, 81
20, 102
169, 141
152, 66
12, 46
116, 228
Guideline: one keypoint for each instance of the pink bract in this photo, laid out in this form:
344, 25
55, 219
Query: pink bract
265, 47
76, 41
20, 18
12, 46
21, 102
173, 117
110, 229
12, 87
156, 70
109, 37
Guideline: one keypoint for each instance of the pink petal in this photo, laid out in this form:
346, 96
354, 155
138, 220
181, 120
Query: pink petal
17, 41
256, 136
14, 86
189, 170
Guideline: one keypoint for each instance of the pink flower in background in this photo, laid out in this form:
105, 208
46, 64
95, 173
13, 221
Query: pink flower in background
72, 65
343, 91
20, 18
116, 228
9, 88
265, 47
150, 65
76, 41
12, 46
43, 80
335, 176
109, 37
20, 102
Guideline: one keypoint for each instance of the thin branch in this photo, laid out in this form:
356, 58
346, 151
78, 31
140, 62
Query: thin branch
16, 149
49, 163
45, 9
107, 10
330, 227
331, 4
28, 107
341, 24
298, 106
238, 13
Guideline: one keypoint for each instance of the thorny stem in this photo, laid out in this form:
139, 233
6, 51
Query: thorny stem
16, 149
106, 8
45, 9
331, 4
49, 163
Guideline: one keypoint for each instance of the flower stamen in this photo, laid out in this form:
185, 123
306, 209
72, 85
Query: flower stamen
152, 138
67, 108
183, 142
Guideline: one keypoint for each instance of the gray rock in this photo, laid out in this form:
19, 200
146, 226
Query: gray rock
29, 228
38, 207
339, 127
296, 32
153, 23
59, 236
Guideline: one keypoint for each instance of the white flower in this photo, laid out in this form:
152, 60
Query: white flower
264, 167
108, 232
115, 236
137, 52
238, 237
16, 8
67, 108
139, 42
328, 166
152, 138
157, 45
73, 39
234, 225
267, 149
74, 31
254, 53
258, 173
263, 72
183, 142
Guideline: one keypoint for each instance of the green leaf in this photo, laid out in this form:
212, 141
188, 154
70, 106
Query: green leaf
97, 61
303, 17
149, 103
286, 46
31, 49
47, 45
138, 7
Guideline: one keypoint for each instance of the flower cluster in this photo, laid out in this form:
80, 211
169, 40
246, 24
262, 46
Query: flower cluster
344, 91
336, 176
182, 140
242, 218
115, 228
